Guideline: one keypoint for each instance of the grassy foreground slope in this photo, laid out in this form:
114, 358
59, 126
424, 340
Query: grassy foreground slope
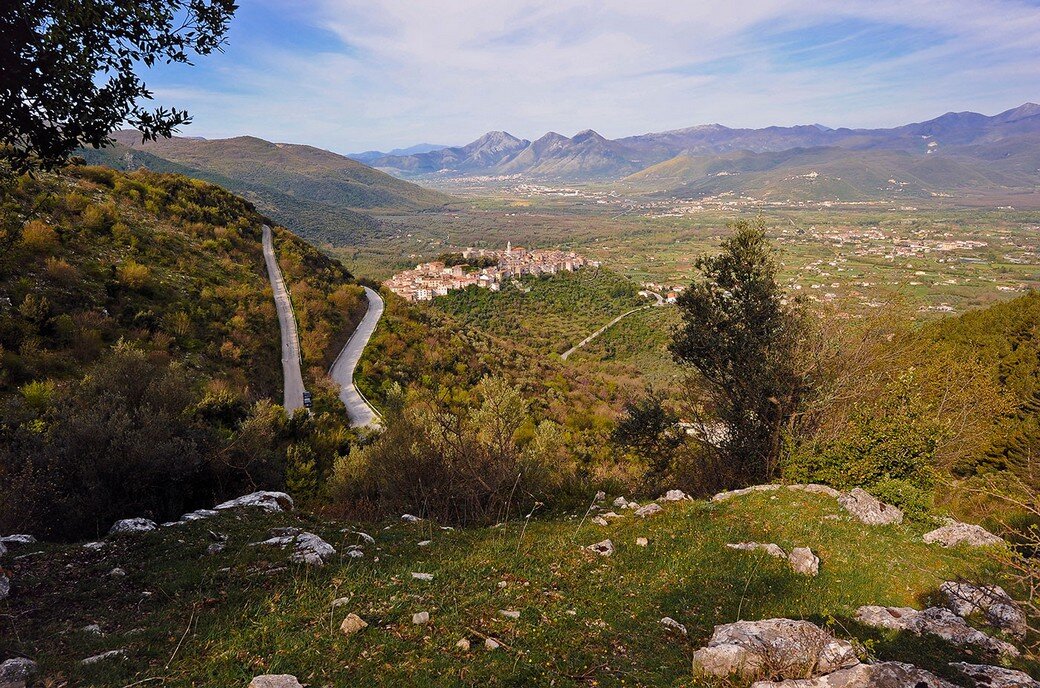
188, 618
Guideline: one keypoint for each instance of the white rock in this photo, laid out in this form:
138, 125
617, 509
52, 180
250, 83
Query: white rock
882, 675
964, 599
604, 548
365, 536
673, 625
600, 521
962, 534
421, 618
463, 644
352, 624
492, 644
422, 576
408, 518
117, 572
649, 510
339, 602
994, 676
509, 613
93, 546
620, 503
13, 541
642, 541
600, 496
91, 629
275, 681
868, 509
425, 543
5, 587
104, 656
199, 515
612, 515
3, 549
16, 672
770, 548
132, 525
308, 548
730, 494
270, 502
933, 621
673, 496
804, 562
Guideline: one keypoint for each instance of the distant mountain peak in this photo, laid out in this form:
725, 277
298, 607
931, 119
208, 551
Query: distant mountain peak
587, 135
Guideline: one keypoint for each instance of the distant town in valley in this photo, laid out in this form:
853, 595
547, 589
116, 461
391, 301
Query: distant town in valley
485, 268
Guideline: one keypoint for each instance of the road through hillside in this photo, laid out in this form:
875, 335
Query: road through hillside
566, 354
359, 411
291, 372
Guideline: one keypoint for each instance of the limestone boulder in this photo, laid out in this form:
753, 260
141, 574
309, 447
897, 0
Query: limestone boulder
773, 648
882, 675
868, 509
957, 533
270, 502
934, 621
990, 601
275, 681
648, 510
604, 548
803, 561
307, 548
770, 548
17, 672
985, 676
132, 525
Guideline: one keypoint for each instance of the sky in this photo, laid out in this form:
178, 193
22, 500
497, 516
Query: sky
356, 75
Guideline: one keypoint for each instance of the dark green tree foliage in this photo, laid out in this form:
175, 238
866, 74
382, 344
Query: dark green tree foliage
740, 337
650, 430
70, 68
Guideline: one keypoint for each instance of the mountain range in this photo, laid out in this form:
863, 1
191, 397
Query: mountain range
323, 196
954, 152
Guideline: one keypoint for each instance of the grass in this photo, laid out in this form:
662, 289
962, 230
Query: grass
191, 619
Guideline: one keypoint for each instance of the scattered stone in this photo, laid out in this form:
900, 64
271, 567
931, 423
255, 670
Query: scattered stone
770, 548
13, 541
365, 536
611, 514
509, 613
463, 644
117, 572
93, 546
620, 503
642, 541
275, 681
600, 521
132, 525
964, 599
600, 496
995, 677
502, 584
804, 562
933, 621
352, 624
354, 552
882, 675
957, 533
91, 629
199, 515
216, 547
785, 647
308, 548
421, 618
340, 601
632, 505
492, 644
604, 548
3, 549
5, 587
270, 502
649, 510
425, 543
408, 518
869, 509
104, 656
673, 625
673, 496
16, 673
422, 576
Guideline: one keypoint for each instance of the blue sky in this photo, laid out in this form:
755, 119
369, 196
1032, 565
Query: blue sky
352, 75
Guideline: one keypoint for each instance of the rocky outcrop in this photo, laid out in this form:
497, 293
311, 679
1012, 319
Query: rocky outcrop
957, 533
270, 502
773, 648
132, 525
934, 621
649, 510
308, 548
770, 548
275, 681
604, 548
803, 561
199, 515
985, 676
883, 675
990, 601
104, 657
868, 509
812, 488
12, 541
673, 496
17, 672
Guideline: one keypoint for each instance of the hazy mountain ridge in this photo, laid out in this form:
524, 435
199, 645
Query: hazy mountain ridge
953, 152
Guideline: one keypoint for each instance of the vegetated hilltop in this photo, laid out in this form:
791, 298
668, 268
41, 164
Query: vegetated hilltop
140, 349
207, 603
318, 194
957, 153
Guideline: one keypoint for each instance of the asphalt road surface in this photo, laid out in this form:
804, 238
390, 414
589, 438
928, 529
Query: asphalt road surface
287, 324
359, 411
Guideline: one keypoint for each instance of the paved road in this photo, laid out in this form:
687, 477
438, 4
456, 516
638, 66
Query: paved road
359, 411
291, 372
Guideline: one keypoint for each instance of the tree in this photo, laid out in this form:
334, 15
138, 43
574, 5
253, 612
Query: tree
651, 431
70, 70
740, 336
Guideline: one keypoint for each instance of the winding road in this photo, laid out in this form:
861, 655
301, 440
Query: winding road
291, 371
359, 411
660, 302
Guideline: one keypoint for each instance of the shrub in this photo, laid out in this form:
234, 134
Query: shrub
132, 274
39, 237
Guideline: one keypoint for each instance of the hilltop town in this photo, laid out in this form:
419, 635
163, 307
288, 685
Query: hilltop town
485, 268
